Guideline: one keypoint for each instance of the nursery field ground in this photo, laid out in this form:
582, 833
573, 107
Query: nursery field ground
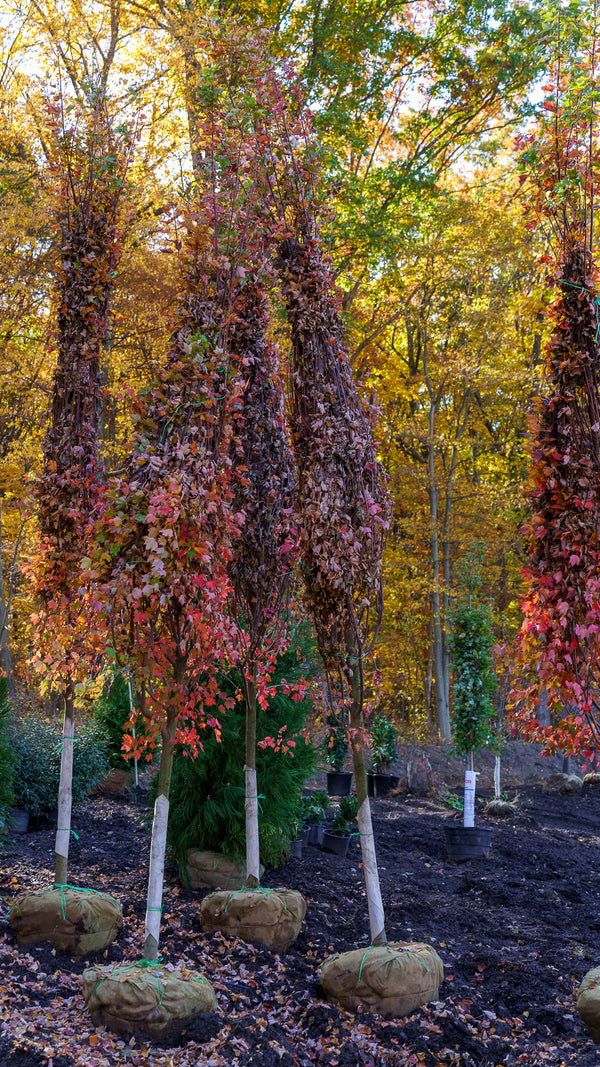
516, 933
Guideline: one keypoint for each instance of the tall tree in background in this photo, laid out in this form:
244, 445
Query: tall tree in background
559, 640
89, 161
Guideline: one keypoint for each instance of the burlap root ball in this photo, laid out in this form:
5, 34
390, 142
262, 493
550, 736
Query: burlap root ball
146, 998
391, 979
565, 784
591, 780
501, 809
213, 870
588, 1002
270, 917
78, 921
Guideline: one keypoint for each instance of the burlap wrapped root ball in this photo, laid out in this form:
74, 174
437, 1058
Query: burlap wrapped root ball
74, 920
391, 979
146, 998
214, 870
588, 1002
270, 917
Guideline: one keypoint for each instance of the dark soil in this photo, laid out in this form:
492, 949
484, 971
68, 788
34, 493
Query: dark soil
516, 933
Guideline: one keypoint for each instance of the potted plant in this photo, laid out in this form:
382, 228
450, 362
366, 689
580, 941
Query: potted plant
336, 838
474, 682
338, 780
296, 840
383, 735
314, 807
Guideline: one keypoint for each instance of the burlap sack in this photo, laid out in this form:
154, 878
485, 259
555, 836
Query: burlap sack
392, 979
78, 921
591, 780
588, 1002
214, 871
501, 809
115, 781
268, 916
146, 998
566, 784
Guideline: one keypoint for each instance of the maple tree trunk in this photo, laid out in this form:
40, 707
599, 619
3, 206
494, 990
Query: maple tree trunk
65, 791
365, 825
251, 803
158, 846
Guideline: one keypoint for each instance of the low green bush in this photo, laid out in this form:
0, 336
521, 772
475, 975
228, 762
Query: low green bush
7, 758
383, 743
37, 749
344, 822
207, 793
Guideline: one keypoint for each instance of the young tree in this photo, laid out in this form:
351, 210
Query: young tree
89, 160
263, 554
164, 547
559, 640
342, 505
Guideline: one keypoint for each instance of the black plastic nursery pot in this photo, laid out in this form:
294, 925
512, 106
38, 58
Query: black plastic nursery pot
379, 785
468, 843
315, 834
338, 783
336, 843
296, 848
17, 821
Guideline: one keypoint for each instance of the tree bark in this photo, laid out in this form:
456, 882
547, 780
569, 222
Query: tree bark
251, 803
65, 791
365, 825
160, 821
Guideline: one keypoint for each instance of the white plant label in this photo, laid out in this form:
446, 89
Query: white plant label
470, 786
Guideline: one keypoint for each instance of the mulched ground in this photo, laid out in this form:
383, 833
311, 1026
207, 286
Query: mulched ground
516, 934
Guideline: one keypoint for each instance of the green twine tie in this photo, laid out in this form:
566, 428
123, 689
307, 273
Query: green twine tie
78, 889
68, 830
145, 965
363, 960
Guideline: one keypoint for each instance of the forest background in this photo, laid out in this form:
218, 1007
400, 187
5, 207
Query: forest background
416, 105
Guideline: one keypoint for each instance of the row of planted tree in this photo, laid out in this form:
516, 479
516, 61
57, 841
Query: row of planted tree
181, 563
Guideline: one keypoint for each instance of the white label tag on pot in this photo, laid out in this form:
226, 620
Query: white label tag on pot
470, 784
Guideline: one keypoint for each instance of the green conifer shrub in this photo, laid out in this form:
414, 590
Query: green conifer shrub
7, 758
207, 793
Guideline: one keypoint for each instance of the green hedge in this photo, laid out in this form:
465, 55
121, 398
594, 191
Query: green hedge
37, 748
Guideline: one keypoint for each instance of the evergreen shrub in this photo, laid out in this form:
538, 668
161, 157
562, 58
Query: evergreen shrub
383, 735
207, 793
37, 749
7, 758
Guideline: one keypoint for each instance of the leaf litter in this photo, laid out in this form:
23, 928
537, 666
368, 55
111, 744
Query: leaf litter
516, 934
